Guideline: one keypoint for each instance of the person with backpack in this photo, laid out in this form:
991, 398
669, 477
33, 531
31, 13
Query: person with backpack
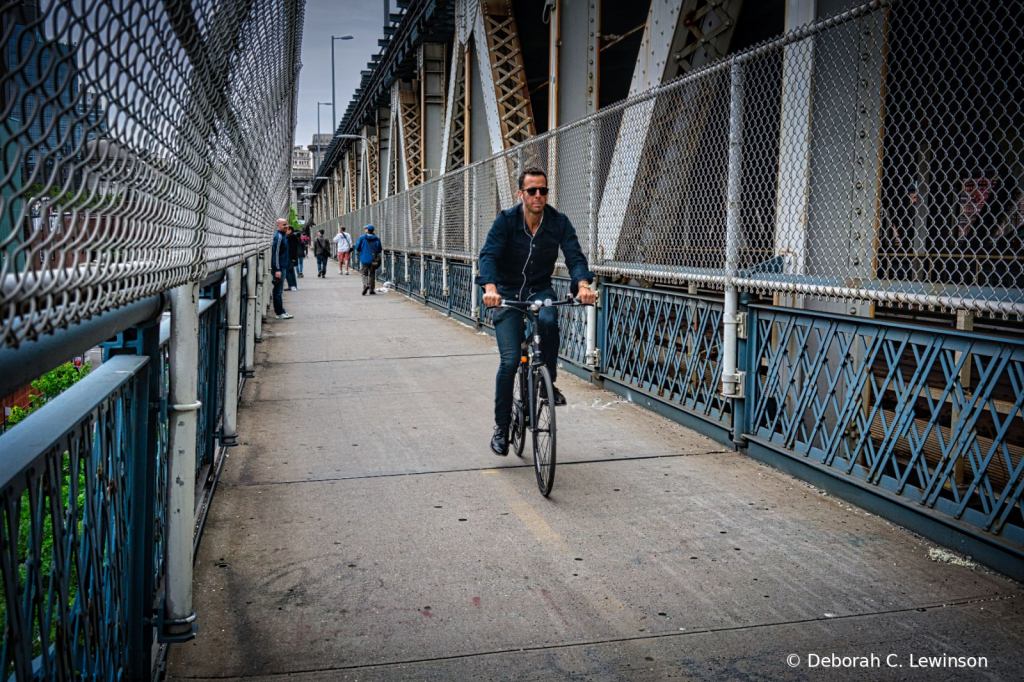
322, 251
368, 249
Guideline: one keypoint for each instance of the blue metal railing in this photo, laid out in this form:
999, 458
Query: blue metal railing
667, 344
572, 327
83, 497
460, 287
77, 520
415, 277
929, 417
434, 283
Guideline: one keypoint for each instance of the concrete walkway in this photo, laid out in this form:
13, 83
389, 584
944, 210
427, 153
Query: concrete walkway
364, 531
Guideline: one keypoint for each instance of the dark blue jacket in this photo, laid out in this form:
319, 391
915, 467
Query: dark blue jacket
367, 247
279, 259
521, 264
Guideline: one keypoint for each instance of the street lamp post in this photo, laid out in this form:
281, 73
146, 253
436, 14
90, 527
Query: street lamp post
318, 150
334, 96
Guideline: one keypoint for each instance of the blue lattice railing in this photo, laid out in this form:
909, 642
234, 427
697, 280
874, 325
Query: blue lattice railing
398, 263
435, 282
387, 267
212, 345
930, 416
668, 345
415, 276
572, 327
76, 531
460, 288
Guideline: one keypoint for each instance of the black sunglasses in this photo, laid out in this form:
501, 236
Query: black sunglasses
532, 191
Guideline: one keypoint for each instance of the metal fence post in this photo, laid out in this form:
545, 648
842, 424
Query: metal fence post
229, 430
142, 522
181, 479
732, 380
592, 357
250, 317
260, 302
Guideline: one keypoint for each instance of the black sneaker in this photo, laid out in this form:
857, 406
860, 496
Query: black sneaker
365, 289
559, 398
499, 441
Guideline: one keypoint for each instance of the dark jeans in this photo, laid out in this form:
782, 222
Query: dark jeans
299, 266
290, 274
321, 264
278, 288
510, 330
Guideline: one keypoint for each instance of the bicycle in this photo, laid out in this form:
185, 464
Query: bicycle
533, 395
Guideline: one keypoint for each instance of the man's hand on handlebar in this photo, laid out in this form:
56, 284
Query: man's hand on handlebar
491, 296
585, 295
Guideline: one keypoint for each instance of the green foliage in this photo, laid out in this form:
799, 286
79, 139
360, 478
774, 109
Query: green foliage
293, 219
49, 386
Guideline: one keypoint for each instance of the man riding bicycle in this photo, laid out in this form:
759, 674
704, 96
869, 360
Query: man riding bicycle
516, 263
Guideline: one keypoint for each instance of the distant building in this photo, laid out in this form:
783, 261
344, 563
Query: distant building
302, 161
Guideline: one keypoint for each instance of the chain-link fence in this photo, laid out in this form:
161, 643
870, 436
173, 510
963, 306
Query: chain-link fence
144, 143
872, 156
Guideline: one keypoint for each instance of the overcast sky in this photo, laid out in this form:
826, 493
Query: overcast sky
362, 19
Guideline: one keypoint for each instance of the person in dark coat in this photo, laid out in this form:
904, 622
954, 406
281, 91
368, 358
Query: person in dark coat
294, 247
322, 250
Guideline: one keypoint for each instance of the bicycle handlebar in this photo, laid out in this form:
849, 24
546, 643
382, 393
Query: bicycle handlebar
537, 305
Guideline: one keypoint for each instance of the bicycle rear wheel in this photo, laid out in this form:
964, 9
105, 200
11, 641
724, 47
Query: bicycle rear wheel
517, 427
543, 426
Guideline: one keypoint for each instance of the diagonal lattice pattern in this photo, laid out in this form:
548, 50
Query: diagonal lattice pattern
667, 345
572, 326
144, 144
435, 282
514, 109
64, 546
937, 418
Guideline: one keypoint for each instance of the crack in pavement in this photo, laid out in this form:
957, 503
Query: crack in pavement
956, 603
360, 477
269, 363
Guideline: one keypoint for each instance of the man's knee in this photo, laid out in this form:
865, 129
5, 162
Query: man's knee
508, 363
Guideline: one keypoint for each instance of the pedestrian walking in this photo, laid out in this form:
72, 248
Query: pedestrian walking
368, 250
322, 251
294, 243
303, 251
344, 244
279, 264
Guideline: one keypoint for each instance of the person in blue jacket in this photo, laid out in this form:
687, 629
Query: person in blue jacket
368, 250
279, 264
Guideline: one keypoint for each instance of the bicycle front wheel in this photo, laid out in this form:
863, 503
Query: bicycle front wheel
543, 425
517, 429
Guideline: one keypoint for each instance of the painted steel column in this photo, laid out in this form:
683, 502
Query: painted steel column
250, 317
592, 356
474, 290
730, 379
229, 430
183, 407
